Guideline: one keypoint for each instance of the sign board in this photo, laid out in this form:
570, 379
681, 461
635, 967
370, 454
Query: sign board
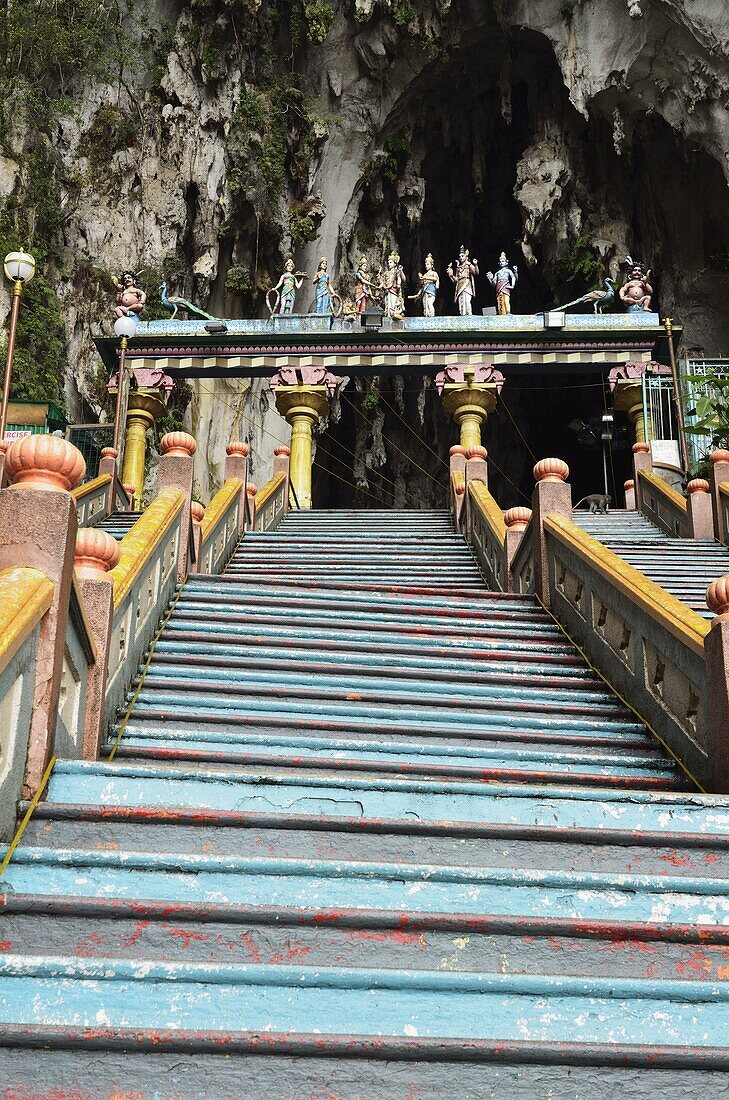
11, 434
666, 452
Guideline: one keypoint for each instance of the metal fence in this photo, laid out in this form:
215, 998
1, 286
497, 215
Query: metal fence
692, 388
90, 439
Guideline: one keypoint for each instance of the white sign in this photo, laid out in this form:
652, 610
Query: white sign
17, 433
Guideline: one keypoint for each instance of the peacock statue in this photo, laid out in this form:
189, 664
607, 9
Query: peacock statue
599, 299
173, 302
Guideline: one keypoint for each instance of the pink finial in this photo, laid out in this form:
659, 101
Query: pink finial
281, 451
251, 489
516, 519
551, 469
719, 456
240, 450
641, 448
95, 554
197, 511
109, 452
178, 444
44, 462
629, 484
476, 452
698, 485
460, 488
457, 450
717, 598
131, 491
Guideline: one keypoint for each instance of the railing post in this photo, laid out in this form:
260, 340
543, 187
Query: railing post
176, 472
96, 553
517, 521
698, 508
642, 460
197, 512
281, 465
251, 490
457, 464
551, 497
38, 527
719, 472
716, 655
629, 495
476, 470
236, 466
107, 465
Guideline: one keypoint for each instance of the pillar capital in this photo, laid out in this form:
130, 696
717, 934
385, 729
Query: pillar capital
628, 398
470, 405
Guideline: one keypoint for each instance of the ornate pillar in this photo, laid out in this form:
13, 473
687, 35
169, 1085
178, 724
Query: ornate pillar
469, 395
302, 397
142, 411
628, 398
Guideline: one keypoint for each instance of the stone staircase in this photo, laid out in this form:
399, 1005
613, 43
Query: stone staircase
684, 567
370, 831
119, 523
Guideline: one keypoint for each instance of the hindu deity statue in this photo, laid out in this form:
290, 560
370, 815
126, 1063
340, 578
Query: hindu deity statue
285, 289
429, 286
322, 288
392, 282
130, 298
463, 278
363, 286
636, 293
503, 281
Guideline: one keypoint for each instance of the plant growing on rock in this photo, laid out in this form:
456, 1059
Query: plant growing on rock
319, 17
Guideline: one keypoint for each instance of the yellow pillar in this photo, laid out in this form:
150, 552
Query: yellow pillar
142, 411
470, 405
302, 406
628, 398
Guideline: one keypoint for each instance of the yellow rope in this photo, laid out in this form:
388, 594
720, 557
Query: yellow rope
27, 816
145, 669
615, 691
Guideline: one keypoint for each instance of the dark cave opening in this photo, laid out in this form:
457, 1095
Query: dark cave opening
387, 445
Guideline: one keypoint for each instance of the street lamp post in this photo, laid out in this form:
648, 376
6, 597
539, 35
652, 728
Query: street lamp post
19, 269
124, 327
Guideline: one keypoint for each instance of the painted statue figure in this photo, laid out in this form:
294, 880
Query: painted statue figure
322, 288
463, 278
130, 298
290, 281
503, 281
429, 286
392, 282
637, 292
363, 286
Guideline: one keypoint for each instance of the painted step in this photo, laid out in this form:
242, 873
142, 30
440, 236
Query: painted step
417, 802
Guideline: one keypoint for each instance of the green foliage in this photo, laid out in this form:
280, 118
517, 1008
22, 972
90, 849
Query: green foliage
301, 224
238, 280
711, 410
578, 262
371, 399
40, 351
403, 13
366, 237
319, 18
397, 148
110, 131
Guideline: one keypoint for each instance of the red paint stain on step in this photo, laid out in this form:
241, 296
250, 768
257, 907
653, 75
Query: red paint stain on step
136, 934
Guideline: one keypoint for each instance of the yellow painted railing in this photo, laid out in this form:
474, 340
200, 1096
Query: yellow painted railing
663, 506
224, 499
662, 489
489, 509
263, 495
90, 487
670, 613
25, 596
139, 544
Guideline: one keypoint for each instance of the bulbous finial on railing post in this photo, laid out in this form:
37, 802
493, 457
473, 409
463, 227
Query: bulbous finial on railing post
96, 553
718, 475
717, 598
108, 466
517, 520
457, 459
131, 492
552, 496
177, 445
698, 509
642, 460
44, 462
629, 488
476, 465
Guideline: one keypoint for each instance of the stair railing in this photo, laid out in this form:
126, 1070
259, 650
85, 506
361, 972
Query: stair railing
687, 517
92, 500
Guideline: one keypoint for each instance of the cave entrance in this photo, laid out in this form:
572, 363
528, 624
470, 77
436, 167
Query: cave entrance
387, 441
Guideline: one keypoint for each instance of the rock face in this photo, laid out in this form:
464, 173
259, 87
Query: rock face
580, 129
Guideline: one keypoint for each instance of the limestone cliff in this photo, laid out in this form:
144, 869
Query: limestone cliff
218, 136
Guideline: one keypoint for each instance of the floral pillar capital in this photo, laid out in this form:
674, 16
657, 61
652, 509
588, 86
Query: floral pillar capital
302, 396
469, 394
626, 382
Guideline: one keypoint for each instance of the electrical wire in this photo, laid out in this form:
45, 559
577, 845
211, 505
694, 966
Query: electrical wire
502, 405
394, 445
